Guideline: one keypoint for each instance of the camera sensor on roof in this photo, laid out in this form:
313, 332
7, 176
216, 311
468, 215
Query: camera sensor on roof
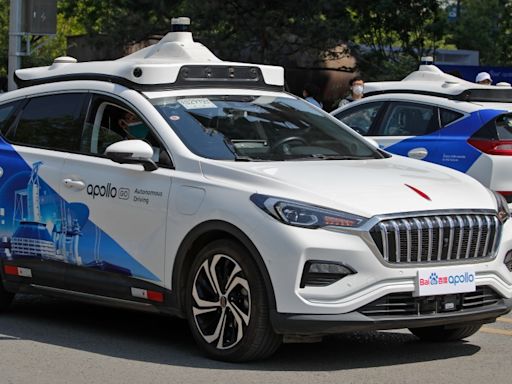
180, 24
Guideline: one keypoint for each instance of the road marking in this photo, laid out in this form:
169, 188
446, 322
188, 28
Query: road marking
496, 331
504, 320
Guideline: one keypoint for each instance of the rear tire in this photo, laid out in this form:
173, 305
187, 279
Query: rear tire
5, 298
440, 333
226, 304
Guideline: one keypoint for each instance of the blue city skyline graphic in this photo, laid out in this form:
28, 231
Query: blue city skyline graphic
35, 221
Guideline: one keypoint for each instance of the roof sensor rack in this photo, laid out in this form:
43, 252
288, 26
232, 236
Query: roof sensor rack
180, 24
176, 61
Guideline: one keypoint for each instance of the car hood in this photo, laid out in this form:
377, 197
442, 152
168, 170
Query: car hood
363, 187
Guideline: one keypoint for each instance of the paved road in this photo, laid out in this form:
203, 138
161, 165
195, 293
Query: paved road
49, 341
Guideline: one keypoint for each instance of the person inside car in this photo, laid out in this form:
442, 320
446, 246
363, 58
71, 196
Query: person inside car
132, 126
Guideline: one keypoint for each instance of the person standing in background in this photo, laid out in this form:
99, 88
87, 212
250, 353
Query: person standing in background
356, 90
483, 78
311, 93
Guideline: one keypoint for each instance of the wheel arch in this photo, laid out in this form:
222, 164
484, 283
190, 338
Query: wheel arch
195, 240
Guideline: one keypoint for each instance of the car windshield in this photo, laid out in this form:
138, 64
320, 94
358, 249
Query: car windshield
260, 128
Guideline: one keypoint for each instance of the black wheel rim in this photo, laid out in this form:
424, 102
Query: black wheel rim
221, 301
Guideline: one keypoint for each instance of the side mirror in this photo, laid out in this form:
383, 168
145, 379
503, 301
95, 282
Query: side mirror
132, 152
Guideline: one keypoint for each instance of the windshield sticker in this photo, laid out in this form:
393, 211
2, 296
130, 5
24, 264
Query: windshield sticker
174, 117
197, 103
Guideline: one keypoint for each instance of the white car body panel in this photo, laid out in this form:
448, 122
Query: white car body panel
121, 228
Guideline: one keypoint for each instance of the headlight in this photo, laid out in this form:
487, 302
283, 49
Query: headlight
304, 215
503, 209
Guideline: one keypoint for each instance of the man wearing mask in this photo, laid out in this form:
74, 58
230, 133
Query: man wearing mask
356, 90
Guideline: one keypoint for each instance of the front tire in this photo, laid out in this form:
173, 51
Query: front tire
440, 333
227, 306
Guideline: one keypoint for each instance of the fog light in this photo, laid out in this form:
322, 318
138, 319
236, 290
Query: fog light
508, 260
323, 273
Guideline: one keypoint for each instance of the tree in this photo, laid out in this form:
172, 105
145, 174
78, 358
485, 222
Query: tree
394, 34
4, 37
121, 20
264, 31
485, 26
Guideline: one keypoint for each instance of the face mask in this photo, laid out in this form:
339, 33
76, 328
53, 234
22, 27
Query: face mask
358, 89
138, 130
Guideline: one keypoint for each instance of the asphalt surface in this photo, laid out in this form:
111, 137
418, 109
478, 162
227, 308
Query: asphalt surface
45, 340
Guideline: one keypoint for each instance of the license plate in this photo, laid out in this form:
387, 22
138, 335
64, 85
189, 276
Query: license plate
445, 280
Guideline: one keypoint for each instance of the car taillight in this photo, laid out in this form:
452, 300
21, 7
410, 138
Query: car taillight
493, 147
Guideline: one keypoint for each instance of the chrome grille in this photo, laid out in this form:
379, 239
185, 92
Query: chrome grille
430, 239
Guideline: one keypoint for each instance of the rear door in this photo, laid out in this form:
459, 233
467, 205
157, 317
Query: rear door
409, 129
35, 143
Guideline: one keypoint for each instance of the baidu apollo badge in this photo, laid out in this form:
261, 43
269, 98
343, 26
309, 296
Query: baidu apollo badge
445, 280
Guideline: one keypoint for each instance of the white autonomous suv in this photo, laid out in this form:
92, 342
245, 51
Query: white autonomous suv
174, 182
436, 117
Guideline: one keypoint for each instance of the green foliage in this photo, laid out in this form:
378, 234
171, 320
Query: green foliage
122, 21
386, 36
394, 34
485, 26
4, 37
287, 32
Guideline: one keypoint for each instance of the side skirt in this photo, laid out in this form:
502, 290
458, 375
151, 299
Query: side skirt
58, 279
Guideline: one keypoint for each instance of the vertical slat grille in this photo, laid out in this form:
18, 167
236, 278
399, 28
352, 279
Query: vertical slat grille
430, 239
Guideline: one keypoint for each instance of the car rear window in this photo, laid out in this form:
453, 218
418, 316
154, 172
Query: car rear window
499, 128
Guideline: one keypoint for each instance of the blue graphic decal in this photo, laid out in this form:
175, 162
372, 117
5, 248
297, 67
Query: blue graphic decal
36, 222
449, 146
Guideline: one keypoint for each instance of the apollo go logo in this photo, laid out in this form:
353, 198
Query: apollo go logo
108, 191
102, 191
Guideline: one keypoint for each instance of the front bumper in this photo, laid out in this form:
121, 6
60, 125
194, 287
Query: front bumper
305, 324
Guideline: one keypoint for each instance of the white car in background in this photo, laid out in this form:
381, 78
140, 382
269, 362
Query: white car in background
173, 182
436, 117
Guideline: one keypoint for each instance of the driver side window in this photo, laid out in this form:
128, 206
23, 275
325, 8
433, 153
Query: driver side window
109, 122
360, 119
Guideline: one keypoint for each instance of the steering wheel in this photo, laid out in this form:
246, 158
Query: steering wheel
284, 140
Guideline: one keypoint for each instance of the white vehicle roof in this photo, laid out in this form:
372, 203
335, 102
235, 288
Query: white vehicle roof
176, 61
442, 101
430, 80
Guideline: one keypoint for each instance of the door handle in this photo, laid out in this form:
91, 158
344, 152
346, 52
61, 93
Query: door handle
75, 184
418, 153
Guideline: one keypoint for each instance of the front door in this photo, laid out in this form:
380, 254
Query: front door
115, 220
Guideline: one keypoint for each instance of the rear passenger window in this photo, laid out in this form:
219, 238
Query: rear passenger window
504, 127
409, 119
448, 116
499, 128
53, 122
